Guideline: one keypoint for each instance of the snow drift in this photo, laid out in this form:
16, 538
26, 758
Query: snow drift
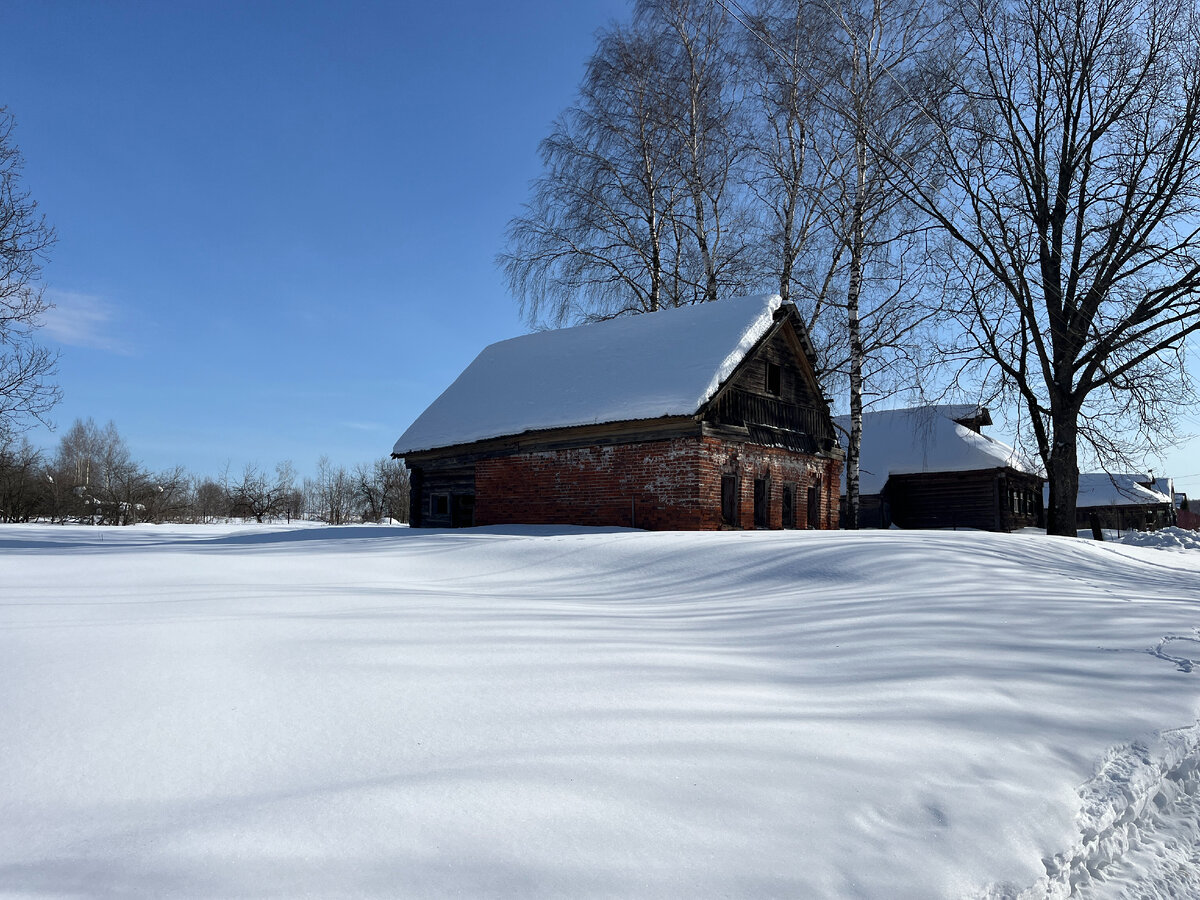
532, 712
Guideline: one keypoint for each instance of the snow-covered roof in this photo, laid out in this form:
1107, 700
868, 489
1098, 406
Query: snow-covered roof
1102, 489
1162, 485
924, 439
666, 363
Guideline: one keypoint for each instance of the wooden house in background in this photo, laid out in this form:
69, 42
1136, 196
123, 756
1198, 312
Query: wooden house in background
702, 417
932, 467
1125, 502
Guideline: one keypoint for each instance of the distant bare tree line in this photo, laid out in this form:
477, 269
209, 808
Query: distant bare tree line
92, 478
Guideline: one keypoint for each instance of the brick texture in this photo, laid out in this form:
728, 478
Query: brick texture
658, 485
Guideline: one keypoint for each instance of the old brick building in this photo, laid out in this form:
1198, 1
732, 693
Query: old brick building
704, 417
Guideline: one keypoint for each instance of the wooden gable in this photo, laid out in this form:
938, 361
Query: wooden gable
773, 398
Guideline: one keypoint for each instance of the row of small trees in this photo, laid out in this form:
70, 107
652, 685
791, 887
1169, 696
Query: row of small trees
93, 478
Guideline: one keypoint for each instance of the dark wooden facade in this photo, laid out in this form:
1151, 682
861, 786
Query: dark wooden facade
1000, 499
772, 399
768, 429
990, 498
1127, 516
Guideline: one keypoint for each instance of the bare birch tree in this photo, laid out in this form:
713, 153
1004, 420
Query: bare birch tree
640, 205
792, 156
26, 368
595, 239
1070, 134
703, 115
96, 479
330, 495
837, 116
876, 51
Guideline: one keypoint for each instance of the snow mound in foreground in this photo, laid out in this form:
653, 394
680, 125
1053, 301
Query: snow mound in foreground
537, 712
1164, 539
1139, 828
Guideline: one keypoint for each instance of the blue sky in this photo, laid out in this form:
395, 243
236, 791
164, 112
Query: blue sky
277, 221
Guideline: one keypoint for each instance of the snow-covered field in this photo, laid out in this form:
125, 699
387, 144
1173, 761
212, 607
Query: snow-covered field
372, 711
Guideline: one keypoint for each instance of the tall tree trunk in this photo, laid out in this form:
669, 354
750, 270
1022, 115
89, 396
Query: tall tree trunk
789, 254
706, 257
857, 241
1062, 469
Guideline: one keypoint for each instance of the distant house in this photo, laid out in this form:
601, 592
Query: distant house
932, 467
702, 417
1124, 501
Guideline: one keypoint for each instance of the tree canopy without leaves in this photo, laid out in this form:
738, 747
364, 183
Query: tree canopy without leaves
1070, 137
637, 209
872, 57
26, 368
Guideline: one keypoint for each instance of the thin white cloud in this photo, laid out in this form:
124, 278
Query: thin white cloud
81, 320
363, 426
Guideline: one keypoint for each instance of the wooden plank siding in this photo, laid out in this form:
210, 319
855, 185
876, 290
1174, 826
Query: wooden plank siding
1127, 516
606, 434
796, 386
988, 499
452, 481
747, 408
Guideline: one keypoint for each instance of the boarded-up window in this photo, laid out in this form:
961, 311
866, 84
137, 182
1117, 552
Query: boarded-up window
762, 494
814, 506
729, 494
788, 508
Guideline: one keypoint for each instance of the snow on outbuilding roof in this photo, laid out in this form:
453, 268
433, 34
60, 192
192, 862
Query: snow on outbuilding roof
1162, 485
925, 439
666, 363
1102, 489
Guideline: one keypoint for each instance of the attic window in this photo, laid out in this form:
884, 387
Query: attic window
773, 379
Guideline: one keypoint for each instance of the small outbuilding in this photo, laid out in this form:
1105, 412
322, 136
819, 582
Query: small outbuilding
932, 467
703, 417
1129, 501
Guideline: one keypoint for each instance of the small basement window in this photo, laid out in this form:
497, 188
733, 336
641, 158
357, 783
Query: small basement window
774, 379
439, 504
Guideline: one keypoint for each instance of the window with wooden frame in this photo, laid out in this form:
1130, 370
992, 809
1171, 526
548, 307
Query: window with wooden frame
439, 504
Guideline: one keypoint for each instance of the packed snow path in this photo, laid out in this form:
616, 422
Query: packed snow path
230, 711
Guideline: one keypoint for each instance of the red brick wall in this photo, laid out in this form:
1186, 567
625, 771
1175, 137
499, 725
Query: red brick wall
749, 462
657, 485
